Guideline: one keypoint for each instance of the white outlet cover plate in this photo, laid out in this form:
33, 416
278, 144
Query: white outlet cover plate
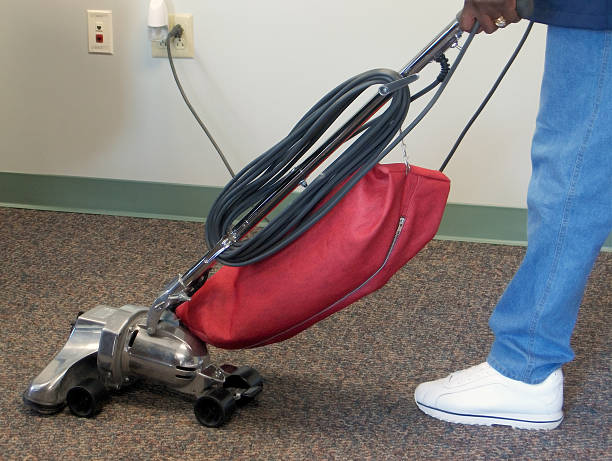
100, 31
158, 50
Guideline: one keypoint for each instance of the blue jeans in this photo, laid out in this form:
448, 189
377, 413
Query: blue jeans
569, 206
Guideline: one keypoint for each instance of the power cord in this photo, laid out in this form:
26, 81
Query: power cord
177, 32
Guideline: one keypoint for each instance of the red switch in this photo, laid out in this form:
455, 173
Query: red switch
99, 38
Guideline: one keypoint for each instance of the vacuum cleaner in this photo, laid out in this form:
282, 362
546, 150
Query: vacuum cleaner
387, 212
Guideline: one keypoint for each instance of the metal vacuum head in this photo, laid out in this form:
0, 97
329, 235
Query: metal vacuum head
110, 348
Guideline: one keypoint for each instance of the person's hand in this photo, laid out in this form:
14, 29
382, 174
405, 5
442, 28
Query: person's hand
491, 14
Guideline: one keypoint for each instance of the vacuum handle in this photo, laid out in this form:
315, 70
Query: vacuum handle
448, 37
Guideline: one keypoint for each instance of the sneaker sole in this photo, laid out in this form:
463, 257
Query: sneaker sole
516, 421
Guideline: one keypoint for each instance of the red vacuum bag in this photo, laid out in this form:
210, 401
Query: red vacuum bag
385, 219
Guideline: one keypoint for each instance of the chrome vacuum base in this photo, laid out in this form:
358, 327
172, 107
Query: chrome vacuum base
110, 348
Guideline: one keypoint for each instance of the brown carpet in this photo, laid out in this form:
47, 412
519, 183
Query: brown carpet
340, 390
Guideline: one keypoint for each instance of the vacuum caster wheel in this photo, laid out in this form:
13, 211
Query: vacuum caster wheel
248, 380
85, 400
215, 407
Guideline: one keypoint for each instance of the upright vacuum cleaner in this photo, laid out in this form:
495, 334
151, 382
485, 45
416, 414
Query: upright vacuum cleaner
252, 300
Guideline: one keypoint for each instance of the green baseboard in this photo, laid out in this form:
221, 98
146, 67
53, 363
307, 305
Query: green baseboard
191, 203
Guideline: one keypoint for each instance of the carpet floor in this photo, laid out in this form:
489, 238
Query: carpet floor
340, 390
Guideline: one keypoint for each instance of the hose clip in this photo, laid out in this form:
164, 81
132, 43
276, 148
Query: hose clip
392, 87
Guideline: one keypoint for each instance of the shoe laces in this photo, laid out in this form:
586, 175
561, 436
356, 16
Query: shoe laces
469, 374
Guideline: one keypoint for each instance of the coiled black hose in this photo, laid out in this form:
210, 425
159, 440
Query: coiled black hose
279, 166
270, 171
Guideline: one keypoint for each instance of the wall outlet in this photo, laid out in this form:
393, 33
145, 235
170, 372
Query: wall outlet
179, 47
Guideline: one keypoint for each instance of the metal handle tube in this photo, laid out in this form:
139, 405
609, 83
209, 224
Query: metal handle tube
442, 42
179, 288
448, 38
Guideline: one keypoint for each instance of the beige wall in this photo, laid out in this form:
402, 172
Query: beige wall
259, 66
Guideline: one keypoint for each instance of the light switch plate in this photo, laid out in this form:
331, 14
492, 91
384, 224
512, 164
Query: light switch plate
100, 31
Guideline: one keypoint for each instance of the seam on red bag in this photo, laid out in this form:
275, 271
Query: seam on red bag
392, 246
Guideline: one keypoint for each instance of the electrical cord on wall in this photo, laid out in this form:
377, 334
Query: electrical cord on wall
177, 32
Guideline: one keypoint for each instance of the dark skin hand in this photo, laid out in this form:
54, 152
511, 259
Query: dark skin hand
486, 12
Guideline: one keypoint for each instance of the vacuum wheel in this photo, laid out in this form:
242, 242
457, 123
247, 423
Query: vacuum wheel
248, 381
85, 400
215, 407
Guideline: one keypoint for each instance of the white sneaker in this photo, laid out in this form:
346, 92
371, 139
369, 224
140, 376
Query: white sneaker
482, 395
